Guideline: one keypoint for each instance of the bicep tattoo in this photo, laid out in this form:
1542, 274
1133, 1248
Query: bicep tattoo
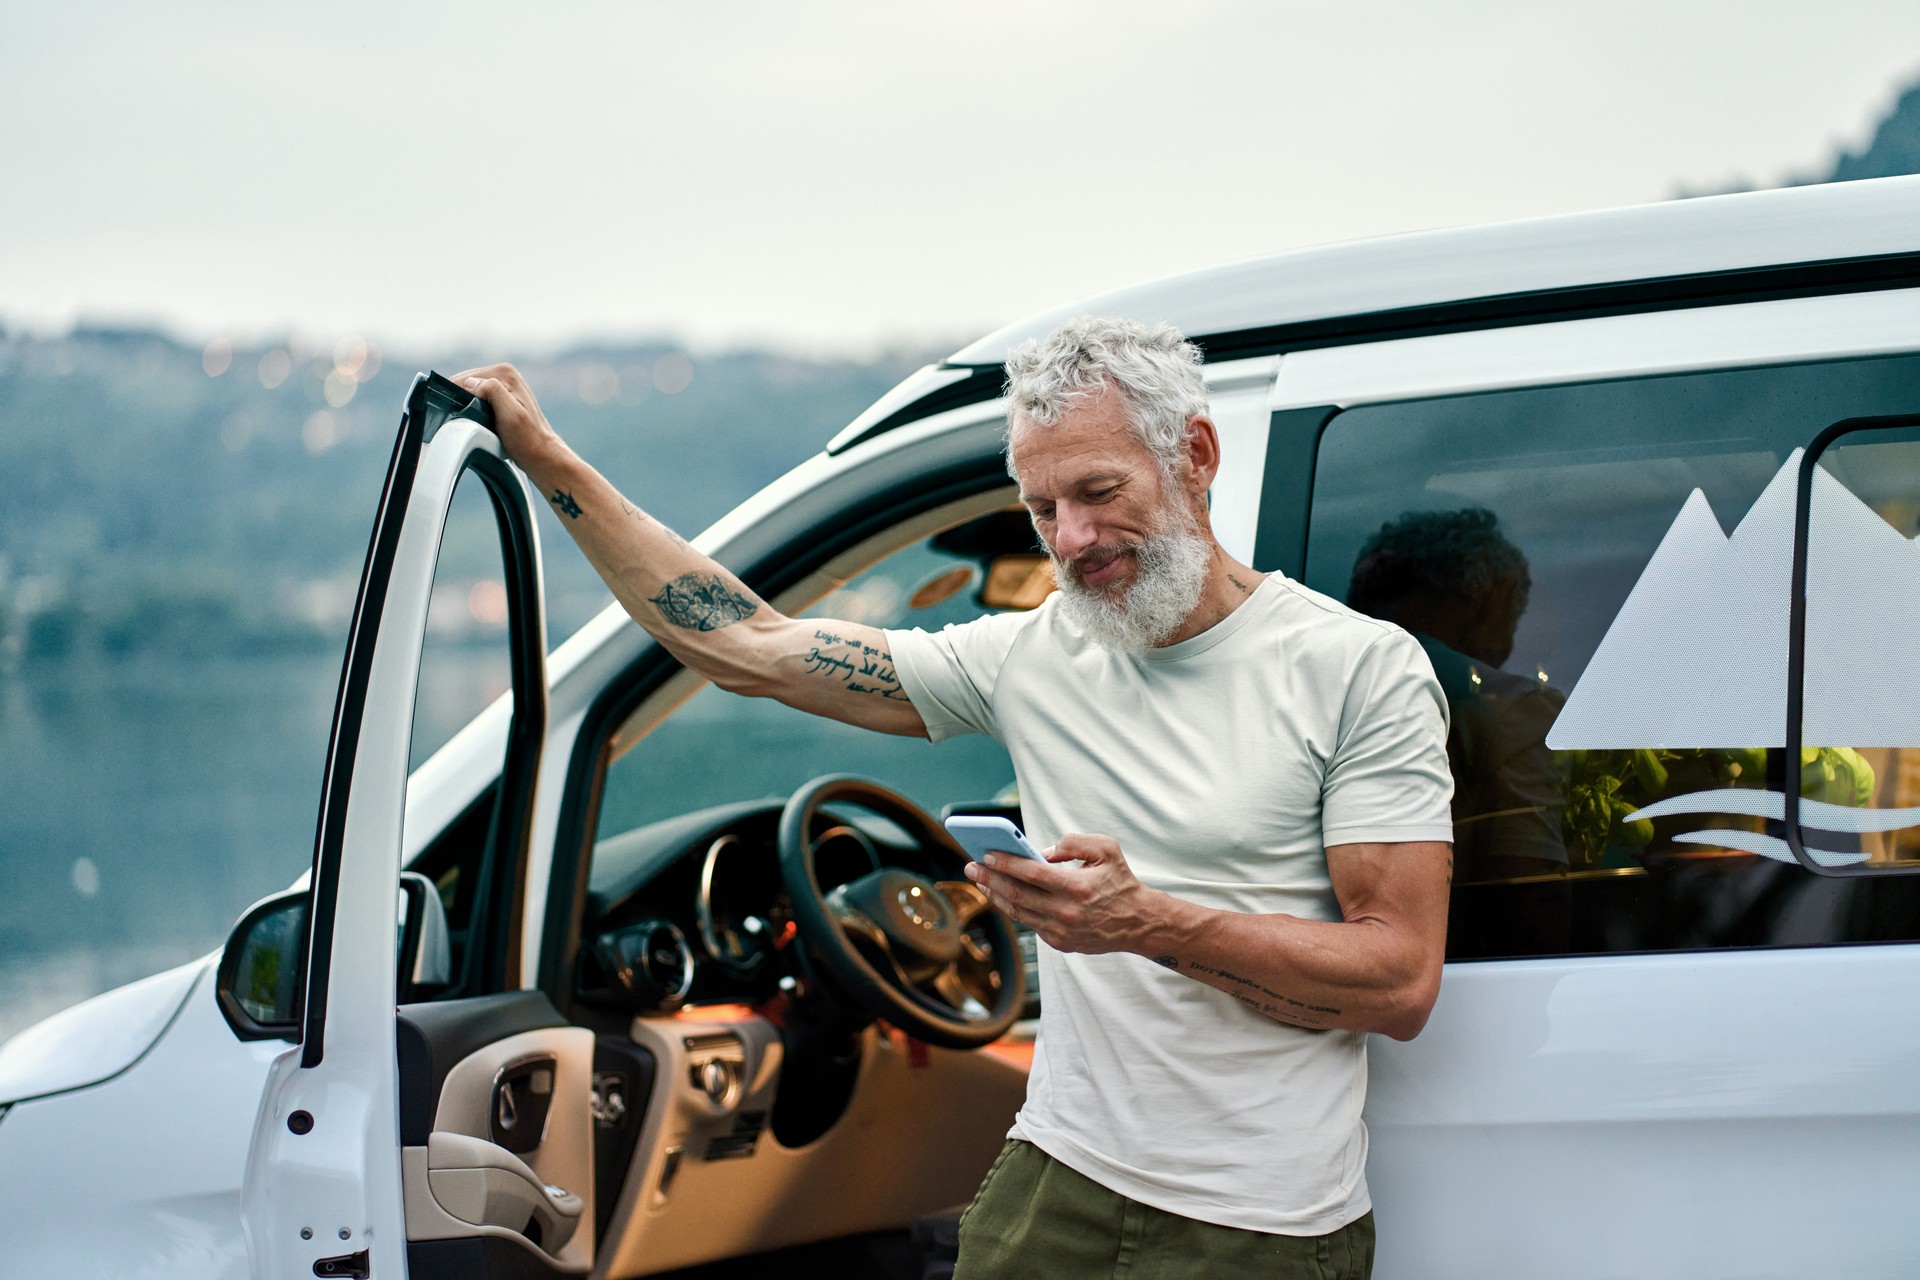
860, 668
703, 602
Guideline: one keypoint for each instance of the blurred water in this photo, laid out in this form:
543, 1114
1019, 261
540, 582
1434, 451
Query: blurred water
145, 804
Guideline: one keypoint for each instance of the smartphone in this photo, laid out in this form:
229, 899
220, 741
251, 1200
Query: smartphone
981, 836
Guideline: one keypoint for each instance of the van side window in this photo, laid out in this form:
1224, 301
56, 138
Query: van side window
1599, 573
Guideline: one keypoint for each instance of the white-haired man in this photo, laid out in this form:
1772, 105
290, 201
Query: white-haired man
1244, 790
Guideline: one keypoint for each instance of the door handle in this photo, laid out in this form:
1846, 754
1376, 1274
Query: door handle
483, 1183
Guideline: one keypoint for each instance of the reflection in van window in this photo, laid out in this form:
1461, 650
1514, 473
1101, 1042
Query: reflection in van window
1455, 581
1593, 570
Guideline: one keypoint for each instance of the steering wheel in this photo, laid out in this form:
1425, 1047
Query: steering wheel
901, 945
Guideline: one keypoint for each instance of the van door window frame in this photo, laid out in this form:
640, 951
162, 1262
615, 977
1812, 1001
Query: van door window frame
1797, 646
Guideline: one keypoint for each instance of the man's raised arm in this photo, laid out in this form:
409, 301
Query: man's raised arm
703, 614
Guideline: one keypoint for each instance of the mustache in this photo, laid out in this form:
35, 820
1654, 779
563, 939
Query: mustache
1097, 556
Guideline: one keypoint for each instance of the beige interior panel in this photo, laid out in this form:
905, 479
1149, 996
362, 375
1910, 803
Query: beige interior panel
563, 1158
913, 1139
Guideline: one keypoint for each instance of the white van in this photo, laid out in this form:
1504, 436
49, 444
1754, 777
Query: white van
1646, 483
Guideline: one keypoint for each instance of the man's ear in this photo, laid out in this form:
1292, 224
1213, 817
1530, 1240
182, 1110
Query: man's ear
1202, 447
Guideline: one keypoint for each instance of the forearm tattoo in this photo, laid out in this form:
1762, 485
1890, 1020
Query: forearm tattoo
1257, 997
703, 602
562, 499
861, 668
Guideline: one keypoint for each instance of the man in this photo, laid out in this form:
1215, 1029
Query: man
1244, 786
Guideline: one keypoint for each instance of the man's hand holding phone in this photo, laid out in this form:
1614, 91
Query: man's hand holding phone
1080, 895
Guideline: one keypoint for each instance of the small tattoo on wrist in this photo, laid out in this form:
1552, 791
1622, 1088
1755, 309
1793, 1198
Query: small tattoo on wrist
562, 499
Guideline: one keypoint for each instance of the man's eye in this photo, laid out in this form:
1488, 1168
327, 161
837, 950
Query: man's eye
1100, 495
1043, 513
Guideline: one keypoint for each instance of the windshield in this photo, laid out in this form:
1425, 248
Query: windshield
720, 747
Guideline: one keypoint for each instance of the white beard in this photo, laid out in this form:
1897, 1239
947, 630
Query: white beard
1171, 572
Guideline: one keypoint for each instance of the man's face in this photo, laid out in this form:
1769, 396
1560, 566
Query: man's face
1127, 547
1094, 491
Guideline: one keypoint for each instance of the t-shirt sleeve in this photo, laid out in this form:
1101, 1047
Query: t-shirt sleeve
1388, 781
949, 675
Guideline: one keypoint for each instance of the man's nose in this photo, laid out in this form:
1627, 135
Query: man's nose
1073, 532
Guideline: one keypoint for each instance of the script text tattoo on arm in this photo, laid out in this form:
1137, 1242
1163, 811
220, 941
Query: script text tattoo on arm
703, 602
862, 668
1264, 999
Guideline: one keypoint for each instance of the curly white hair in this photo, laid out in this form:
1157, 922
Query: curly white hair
1153, 368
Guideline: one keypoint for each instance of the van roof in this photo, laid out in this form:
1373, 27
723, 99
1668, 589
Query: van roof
1833, 237
1711, 235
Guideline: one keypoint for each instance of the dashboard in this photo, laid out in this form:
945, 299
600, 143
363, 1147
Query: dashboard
694, 910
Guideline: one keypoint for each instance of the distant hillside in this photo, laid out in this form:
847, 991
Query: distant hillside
162, 495
1893, 150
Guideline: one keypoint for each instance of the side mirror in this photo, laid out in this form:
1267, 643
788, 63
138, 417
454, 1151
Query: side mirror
261, 981
426, 952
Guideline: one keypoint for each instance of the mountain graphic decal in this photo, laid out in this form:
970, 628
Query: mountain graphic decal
1697, 656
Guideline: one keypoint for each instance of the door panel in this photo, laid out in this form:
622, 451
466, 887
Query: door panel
1740, 1114
323, 1192
486, 1064
434, 1038
1660, 1048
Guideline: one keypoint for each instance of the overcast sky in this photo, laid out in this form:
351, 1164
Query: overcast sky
838, 176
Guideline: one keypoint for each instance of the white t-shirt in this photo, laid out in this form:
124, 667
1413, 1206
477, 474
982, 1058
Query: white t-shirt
1224, 765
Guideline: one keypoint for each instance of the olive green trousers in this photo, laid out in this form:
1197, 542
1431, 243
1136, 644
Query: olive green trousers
1035, 1217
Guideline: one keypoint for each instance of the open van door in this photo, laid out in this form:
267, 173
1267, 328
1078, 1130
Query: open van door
325, 1192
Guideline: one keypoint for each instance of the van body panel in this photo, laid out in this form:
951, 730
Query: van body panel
1736, 1112
1723, 1036
1834, 222
1744, 333
1728, 1114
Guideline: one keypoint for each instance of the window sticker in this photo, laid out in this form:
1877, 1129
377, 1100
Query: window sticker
1697, 658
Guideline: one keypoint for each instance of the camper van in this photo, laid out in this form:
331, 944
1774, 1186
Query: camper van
581, 995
